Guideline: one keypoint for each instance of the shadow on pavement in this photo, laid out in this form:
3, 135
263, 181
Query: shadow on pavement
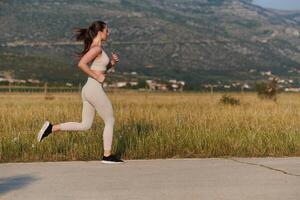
16, 182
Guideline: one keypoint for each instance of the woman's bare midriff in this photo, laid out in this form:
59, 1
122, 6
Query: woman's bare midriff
98, 72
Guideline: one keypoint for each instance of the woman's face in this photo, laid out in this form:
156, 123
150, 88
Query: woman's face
104, 34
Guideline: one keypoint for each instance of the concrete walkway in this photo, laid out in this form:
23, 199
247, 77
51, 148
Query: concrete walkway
218, 179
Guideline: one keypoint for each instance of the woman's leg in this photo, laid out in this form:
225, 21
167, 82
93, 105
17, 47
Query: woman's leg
104, 108
88, 114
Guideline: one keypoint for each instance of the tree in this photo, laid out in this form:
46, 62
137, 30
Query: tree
267, 90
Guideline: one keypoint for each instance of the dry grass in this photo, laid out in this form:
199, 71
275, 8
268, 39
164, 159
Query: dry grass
152, 125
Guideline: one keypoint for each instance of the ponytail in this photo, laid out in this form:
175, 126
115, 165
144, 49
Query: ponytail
80, 33
87, 35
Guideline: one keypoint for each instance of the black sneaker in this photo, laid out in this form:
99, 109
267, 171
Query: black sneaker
111, 160
45, 131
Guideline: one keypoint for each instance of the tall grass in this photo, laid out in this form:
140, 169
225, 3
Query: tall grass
152, 125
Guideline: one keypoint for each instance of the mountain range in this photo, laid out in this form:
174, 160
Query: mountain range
198, 41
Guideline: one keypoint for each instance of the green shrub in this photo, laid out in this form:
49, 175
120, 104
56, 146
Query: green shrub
229, 100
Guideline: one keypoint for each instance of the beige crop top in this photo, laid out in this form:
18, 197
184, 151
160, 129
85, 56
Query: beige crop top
101, 62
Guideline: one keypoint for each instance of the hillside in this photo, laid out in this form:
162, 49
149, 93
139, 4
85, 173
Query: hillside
198, 41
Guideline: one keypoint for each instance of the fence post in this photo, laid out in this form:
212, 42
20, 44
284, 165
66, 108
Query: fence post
79, 88
242, 89
211, 89
9, 87
45, 88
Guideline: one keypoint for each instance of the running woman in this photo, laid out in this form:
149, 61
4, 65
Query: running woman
93, 96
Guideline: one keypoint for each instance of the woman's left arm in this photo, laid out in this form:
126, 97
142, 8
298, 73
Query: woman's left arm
114, 60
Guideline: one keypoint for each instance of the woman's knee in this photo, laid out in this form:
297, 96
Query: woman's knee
85, 127
110, 120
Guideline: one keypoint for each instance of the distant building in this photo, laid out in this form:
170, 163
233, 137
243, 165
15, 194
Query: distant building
177, 85
246, 86
173, 84
267, 73
151, 84
172, 81
133, 83
291, 89
105, 84
270, 78
181, 83
163, 87
10, 80
121, 84
33, 81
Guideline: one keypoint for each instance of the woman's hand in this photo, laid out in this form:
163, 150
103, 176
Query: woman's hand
100, 78
114, 59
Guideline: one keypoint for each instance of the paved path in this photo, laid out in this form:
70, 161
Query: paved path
217, 179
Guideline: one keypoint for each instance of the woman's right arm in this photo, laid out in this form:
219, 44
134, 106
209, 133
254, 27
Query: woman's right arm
86, 58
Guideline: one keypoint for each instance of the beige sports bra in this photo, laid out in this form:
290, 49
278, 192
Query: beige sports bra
101, 62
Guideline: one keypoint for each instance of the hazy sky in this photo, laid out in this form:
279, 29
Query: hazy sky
279, 4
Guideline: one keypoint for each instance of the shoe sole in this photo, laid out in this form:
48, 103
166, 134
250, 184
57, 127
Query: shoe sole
110, 162
42, 131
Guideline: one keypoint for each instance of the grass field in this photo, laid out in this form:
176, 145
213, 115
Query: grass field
152, 125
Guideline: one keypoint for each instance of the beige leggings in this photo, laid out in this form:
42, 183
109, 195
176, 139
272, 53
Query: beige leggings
94, 99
